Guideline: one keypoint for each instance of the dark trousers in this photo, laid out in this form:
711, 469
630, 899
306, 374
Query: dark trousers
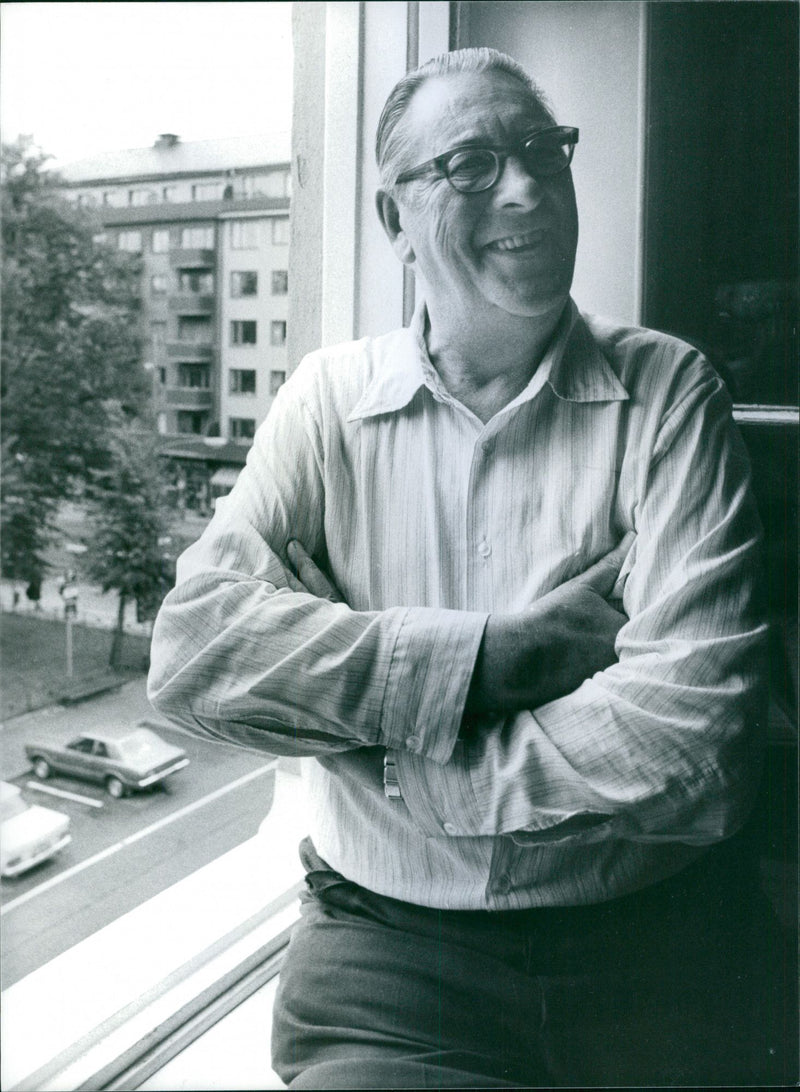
688, 982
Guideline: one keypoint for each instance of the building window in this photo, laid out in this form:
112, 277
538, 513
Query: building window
142, 197
190, 422
198, 282
158, 284
277, 333
114, 199
244, 234
241, 428
86, 200
280, 282
198, 238
100, 239
194, 375
162, 376
158, 334
242, 381
244, 283
276, 381
168, 193
161, 241
280, 231
207, 191
243, 332
130, 240
195, 328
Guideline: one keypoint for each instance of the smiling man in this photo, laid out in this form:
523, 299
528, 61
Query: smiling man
496, 575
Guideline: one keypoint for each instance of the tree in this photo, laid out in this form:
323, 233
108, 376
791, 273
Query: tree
131, 522
70, 351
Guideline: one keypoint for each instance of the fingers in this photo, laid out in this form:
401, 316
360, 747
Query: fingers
602, 576
309, 575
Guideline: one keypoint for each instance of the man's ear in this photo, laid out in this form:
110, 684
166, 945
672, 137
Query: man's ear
389, 216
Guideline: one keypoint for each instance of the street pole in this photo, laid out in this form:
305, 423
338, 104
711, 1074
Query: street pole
69, 644
69, 593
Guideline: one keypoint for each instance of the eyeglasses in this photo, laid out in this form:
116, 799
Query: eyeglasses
543, 154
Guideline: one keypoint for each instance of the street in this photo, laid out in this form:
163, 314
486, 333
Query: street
127, 850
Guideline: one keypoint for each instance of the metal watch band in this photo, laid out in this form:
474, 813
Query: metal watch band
391, 786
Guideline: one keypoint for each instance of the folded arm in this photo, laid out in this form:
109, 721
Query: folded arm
662, 744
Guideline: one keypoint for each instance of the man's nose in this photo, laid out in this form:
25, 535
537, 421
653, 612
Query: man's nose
516, 185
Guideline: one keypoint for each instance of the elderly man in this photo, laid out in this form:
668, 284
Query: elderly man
496, 573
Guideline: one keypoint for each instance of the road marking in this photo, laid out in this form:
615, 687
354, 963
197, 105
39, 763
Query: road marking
137, 836
63, 792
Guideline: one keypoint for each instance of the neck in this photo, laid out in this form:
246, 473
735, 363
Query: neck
486, 364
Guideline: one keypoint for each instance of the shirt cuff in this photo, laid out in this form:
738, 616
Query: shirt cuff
429, 676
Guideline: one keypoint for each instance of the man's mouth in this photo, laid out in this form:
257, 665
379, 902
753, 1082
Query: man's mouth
512, 243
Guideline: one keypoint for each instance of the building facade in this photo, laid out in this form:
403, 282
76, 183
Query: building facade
210, 220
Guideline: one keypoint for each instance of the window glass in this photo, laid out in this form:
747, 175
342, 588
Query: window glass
280, 231
241, 428
194, 375
276, 381
115, 199
158, 284
277, 332
244, 283
245, 234
142, 197
190, 422
130, 240
195, 328
198, 238
207, 191
196, 281
160, 240
280, 282
242, 381
243, 332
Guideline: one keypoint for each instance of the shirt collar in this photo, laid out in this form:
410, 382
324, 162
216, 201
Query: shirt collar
573, 366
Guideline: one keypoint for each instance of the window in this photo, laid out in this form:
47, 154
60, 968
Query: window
158, 334
190, 423
244, 283
280, 282
280, 231
142, 197
243, 332
130, 240
161, 240
277, 333
245, 234
194, 375
207, 191
162, 376
114, 199
158, 284
242, 381
195, 328
276, 381
196, 281
100, 238
198, 238
241, 428
168, 193
86, 200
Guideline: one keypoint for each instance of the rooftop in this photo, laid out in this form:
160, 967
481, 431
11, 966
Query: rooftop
170, 156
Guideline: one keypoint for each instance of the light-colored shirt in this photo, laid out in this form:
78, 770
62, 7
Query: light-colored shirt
427, 521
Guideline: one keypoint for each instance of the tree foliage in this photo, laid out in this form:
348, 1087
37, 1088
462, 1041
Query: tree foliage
70, 351
130, 518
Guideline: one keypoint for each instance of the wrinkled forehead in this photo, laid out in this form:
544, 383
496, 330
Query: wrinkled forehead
468, 107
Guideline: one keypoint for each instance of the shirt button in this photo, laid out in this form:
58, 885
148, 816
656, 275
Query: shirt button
487, 446
450, 828
484, 549
413, 743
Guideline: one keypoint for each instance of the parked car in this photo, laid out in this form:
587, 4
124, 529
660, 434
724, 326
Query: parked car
29, 833
122, 759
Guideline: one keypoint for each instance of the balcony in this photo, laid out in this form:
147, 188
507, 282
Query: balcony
193, 259
191, 351
190, 398
192, 303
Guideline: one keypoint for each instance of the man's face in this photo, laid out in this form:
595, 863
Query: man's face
512, 246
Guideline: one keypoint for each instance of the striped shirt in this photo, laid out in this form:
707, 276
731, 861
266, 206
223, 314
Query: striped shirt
429, 520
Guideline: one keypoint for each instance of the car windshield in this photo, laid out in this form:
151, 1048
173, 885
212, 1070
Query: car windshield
12, 806
141, 744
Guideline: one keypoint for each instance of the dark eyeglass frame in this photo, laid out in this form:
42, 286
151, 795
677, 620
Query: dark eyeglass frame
441, 162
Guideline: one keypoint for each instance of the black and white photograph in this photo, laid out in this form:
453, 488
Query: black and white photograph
399, 600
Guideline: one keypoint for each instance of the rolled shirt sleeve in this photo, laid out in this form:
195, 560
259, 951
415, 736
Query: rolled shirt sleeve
664, 745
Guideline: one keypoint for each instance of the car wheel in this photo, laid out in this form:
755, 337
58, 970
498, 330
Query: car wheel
41, 768
114, 787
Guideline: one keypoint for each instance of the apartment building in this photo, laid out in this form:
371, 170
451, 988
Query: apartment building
210, 220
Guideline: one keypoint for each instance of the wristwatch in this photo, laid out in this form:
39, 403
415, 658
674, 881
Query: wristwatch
391, 786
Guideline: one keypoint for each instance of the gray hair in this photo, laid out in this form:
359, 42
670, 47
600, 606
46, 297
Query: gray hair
389, 137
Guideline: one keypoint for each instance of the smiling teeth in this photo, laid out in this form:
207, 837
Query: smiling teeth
517, 242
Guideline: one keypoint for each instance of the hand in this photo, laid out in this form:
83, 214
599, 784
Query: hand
310, 578
548, 650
